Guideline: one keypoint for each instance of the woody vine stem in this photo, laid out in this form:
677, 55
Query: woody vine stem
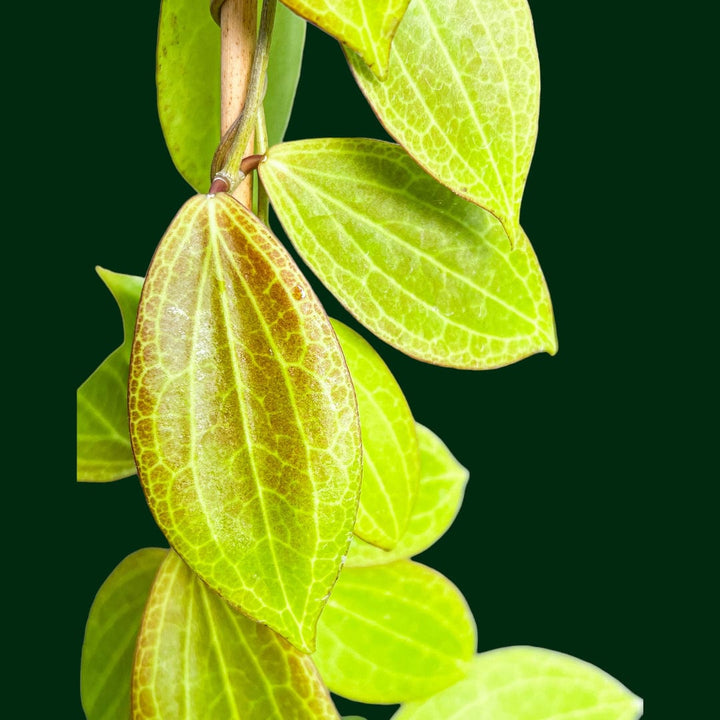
230, 164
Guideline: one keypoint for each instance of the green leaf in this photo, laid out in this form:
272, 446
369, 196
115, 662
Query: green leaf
462, 97
367, 26
243, 417
188, 87
198, 658
392, 633
527, 683
283, 73
440, 493
391, 458
426, 271
103, 442
110, 635
188, 84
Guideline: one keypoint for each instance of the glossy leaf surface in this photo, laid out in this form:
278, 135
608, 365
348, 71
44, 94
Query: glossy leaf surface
391, 458
423, 269
198, 658
462, 97
367, 26
440, 493
527, 683
392, 633
243, 417
188, 83
110, 635
103, 442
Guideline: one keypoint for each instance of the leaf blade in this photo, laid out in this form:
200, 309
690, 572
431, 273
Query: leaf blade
528, 683
391, 633
283, 73
103, 441
197, 656
391, 458
110, 634
256, 486
462, 96
424, 270
367, 26
440, 493
188, 53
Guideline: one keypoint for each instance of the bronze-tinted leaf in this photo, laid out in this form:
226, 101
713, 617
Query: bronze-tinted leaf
243, 417
198, 658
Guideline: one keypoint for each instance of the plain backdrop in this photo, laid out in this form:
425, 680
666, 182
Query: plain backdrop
567, 455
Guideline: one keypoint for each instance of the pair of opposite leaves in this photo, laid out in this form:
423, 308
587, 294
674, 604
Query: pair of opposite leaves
455, 82
242, 412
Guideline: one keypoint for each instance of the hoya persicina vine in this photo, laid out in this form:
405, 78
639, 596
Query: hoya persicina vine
276, 451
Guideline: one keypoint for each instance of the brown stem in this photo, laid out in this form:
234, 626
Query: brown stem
250, 163
218, 185
238, 22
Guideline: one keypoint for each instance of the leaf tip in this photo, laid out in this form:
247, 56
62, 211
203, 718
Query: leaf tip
104, 274
306, 639
552, 347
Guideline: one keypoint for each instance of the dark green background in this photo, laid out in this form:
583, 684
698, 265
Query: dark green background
566, 454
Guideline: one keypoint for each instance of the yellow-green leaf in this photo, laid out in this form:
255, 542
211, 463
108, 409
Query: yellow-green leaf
103, 442
243, 417
188, 83
462, 97
199, 658
423, 269
110, 635
283, 73
527, 683
391, 458
392, 633
367, 26
440, 493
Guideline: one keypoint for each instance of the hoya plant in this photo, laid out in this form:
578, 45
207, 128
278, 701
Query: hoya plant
276, 450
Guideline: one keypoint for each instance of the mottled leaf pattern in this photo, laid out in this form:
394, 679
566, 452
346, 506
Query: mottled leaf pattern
440, 492
367, 26
462, 97
527, 683
243, 417
423, 269
110, 635
391, 458
198, 658
103, 442
392, 633
188, 83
